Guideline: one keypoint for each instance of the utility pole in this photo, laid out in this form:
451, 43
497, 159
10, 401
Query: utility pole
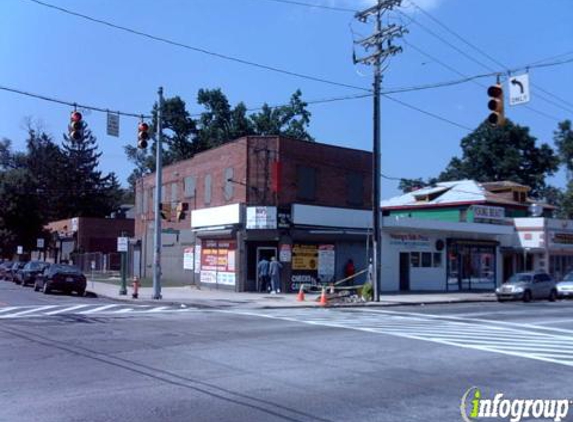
381, 41
157, 201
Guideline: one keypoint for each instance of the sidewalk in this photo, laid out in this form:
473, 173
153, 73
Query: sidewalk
191, 296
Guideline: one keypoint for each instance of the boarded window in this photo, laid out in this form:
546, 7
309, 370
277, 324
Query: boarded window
306, 182
174, 192
229, 184
190, 186
163, 193
355, 186
207, 189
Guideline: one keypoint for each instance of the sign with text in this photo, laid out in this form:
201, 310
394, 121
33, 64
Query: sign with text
326, 260
40, 243
262, 218
218, 262
488, 213
519, 89
188, 258
20, 250
410, 240
122, 244
113, 124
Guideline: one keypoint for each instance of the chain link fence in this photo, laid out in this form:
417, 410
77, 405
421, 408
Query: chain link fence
98, 265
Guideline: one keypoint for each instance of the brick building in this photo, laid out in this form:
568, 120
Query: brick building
306, 203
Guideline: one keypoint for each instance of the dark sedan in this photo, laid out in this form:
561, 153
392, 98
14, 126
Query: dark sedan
4, 267
30, 271
61, 277
13, 273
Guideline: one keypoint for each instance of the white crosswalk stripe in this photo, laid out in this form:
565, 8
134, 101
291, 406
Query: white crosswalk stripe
514, 339
14, 312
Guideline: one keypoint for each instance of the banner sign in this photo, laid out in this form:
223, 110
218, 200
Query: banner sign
218, 262
261, 218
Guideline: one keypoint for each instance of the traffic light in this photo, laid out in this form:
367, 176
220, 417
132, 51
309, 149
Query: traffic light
495, 104
76, 126
165, 211
182, 207
143, 135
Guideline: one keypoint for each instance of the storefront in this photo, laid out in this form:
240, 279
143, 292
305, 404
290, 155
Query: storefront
429, 255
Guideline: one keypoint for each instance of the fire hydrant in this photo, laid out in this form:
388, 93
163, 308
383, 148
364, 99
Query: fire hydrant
135, 286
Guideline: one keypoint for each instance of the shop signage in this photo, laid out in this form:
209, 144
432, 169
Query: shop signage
305, 257
563, 238
410, 240
188, 258
218, 262
284, 219
261, 218
326, 260
285, 253
488, 213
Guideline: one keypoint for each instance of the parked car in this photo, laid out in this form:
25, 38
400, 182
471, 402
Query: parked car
32, 269
565, 286
62, 277
4, 267
13, 272
527, 286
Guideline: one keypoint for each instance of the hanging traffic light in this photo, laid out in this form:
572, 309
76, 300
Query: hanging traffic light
165, 211
495, 104
182, 207
143, 135
76, 126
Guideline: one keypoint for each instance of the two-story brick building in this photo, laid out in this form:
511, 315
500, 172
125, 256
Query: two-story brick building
306, 203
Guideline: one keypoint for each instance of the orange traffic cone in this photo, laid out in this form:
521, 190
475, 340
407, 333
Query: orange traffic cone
323, 301
300, 296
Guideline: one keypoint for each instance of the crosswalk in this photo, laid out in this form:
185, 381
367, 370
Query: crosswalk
14, 312
521, 340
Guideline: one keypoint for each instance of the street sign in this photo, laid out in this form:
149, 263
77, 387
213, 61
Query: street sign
20, 250
40, 243
93, 265
113, 124
122, 244
519, 89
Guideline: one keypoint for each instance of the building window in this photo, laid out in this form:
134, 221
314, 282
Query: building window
306, 182
355, 186
189, 186
144, 201
163, 193
174, 198
415, 259
208, 189
426, 259
229, 184
437, 259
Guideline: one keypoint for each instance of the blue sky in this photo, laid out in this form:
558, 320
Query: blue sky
51, 53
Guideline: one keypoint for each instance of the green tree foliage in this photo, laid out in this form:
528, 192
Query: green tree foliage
185, 136
492, 154
563, 138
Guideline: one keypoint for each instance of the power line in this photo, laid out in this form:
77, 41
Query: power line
71, 104
314, 6
488, 56
198, 49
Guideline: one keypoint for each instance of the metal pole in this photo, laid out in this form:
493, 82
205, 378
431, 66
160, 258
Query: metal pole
377, 238
123, 289
157, 200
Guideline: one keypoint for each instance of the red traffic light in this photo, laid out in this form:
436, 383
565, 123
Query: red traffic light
143, 135
143, 127
76, 116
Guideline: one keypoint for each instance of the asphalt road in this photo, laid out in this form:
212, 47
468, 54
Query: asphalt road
76, 359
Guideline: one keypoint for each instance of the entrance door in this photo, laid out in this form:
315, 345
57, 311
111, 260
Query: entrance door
267, 252
404, 271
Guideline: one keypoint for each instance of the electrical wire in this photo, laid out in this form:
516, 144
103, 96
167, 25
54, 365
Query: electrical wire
314, 6
198, 49
72, 104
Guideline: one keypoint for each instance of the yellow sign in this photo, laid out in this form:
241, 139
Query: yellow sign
305, 257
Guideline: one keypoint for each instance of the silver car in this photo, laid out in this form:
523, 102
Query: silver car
565, 286
527, 286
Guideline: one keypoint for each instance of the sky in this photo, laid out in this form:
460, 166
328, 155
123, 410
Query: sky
47, 52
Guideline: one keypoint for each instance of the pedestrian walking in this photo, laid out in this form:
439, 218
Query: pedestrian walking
275, 274
263, 273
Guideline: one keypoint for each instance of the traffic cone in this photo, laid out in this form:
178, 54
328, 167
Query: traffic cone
323, 301
300, 296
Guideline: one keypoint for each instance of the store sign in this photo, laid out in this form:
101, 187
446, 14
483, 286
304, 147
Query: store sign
488, 213
284, 218
218, 262
326, 262
312, 264
305, 257
410, 241
261, 218
188, 258
563, 238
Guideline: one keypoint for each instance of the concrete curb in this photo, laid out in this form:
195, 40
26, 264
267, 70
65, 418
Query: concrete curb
310, 305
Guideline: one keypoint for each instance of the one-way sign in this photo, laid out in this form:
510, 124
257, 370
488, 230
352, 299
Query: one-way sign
518, 89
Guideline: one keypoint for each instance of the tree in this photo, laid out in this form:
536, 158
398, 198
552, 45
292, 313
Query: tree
87, 192
563, 138
503, 153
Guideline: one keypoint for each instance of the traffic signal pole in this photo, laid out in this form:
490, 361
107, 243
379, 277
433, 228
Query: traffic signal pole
157, 201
